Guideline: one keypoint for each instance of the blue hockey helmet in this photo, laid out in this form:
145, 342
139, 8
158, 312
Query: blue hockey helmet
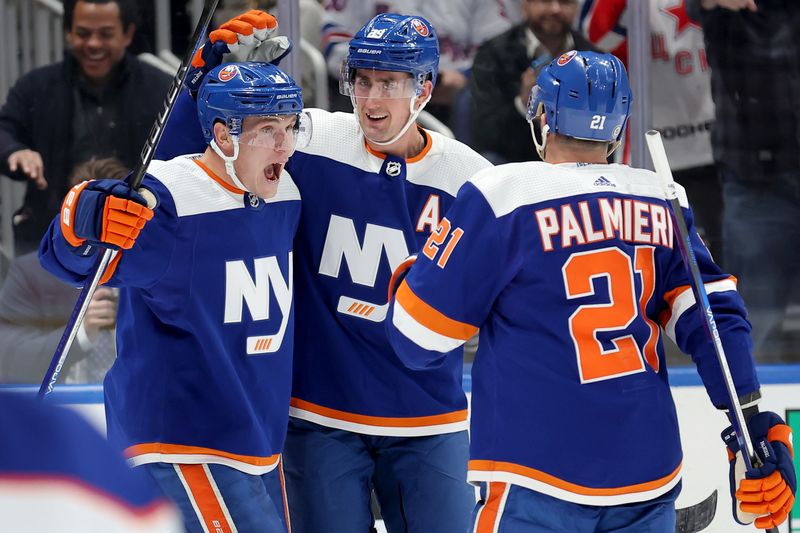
584, 95
396, 43
233, 91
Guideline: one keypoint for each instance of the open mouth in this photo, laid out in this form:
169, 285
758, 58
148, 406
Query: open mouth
94, 58
273, 172
375, 118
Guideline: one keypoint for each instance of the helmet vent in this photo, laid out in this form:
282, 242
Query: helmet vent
573, 94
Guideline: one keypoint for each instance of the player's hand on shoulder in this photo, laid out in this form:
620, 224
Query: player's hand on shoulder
105, 212
766, 494
245, 33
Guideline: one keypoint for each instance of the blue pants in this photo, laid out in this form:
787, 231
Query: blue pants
224, 498
420, 482
761, 242
506, 508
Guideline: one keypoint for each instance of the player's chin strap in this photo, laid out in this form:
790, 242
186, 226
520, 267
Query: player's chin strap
411, 120
540, 145
229, 160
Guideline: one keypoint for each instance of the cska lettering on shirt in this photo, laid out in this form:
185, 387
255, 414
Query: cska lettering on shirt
602, 219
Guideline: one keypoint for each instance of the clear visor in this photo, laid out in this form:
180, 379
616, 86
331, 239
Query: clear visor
373, 83
277, 132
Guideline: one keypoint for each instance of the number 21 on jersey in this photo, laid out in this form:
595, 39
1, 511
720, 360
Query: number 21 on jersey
437, 239
624, 307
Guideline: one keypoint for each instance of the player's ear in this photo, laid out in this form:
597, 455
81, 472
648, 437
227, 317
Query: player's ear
425, 93
221, 134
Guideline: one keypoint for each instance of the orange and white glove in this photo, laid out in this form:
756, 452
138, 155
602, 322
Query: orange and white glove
106, 213
245, 33
763, 495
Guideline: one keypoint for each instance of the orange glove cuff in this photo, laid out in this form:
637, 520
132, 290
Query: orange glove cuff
68, 215
781, 433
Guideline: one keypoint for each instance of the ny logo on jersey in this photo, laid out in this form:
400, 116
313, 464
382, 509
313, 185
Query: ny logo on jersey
363, 261
242, 289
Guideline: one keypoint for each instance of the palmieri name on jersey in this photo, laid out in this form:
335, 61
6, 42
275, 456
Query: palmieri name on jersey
602, 219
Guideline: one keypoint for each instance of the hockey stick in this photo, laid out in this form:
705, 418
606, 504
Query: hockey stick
661, 164
696, 517
85, 296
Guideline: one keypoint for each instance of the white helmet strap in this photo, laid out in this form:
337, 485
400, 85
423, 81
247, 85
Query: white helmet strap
411, 120
229, 160
541, 146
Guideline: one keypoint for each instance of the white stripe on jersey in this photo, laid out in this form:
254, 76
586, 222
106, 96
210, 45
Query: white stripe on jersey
446, 166
514, 185
195, 192
421, 335
474, 476
194, 459
369, 429
685, 300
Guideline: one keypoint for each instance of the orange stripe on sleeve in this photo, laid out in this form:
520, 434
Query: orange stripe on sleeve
208, 507
431, 318
111, 268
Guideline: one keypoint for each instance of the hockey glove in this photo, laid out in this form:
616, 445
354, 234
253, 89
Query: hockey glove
104, 212
246, 32
765, 494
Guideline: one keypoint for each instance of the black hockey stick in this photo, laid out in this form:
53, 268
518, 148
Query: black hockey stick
661, 164
696, 517
85, 296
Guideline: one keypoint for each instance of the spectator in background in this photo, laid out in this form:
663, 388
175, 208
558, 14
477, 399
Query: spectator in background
462, 25
503, 75
35, 307
753, 51
680, 97
98, 102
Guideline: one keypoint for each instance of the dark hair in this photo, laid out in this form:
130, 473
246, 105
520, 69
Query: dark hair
107, 168
127, 11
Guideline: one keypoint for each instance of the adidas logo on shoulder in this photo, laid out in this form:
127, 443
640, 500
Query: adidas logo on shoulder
603, 181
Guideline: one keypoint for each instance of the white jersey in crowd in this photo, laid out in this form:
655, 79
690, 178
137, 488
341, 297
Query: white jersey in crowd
680, 76
462, 25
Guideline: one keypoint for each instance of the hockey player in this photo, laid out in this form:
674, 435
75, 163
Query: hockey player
199, 393
58, 474
374, 184
570, 269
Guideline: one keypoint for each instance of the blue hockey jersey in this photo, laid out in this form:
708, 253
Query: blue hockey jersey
205, 323
572, 273
58, 474
363, 213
